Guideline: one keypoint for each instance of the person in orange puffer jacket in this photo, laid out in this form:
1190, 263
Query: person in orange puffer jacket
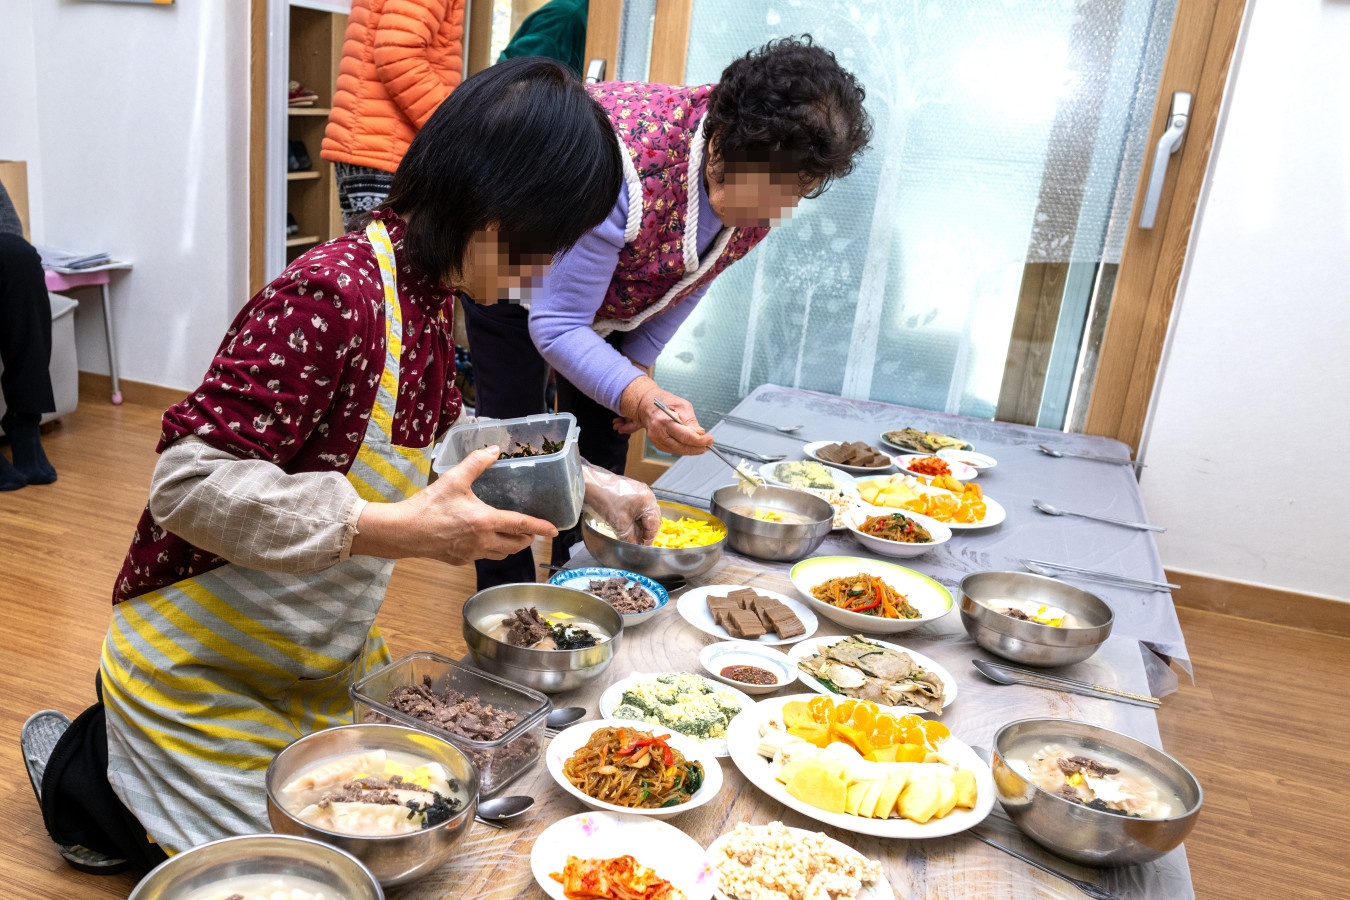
400, 59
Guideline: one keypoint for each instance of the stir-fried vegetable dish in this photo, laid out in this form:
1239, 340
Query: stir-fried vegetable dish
866, 594
896, 527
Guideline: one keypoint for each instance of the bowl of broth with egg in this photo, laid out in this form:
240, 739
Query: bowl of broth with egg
396, 798
1093, 795
773, 523
544, 636
1032, 619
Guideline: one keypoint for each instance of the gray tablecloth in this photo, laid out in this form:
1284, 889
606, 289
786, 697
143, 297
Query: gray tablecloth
1023, 473
941, 868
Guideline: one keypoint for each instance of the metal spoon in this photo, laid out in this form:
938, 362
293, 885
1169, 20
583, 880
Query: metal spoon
501, 810
563, 716
1056, 511
752, 481
751, 423
1051, 451
1013, 675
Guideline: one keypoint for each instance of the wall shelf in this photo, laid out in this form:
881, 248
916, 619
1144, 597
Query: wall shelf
308, 111
301, 241
306, 175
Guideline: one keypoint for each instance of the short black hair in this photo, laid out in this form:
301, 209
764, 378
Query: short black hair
790, 105
521, 146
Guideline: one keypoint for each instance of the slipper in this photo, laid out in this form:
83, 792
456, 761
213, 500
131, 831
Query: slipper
38, 739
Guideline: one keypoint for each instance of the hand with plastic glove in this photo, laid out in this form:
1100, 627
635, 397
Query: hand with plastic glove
446, 521
628, 506
638, 409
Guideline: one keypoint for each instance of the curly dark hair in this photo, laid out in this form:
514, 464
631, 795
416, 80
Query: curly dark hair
791, 105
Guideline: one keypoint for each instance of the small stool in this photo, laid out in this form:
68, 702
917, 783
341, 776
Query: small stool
62, 279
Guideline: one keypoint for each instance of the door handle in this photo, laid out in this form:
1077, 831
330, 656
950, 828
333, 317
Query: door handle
595, 71
1169, 143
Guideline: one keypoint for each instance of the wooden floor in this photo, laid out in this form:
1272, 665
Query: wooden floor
1265, 728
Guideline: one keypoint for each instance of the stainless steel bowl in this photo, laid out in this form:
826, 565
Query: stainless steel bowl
773, 540
219, 862
663, 564
1031, 642
549, 671
396, 859
1076, 832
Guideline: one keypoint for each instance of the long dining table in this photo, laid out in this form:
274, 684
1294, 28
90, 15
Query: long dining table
494, 863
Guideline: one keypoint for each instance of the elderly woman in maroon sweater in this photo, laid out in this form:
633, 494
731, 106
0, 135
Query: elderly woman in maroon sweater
296, 473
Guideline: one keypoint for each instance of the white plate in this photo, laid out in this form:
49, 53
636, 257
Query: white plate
929, 597
674, 855
854, 518
569, 740
994, 513
693, 608
716, 657
809, 648
613, 697
960, 471
743, 738
871, 890
842, 480
980, 461
813, 449
911, 448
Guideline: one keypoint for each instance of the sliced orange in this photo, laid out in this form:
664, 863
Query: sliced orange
935, 732
821, 707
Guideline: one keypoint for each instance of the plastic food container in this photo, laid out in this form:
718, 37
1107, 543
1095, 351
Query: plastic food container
498, 761
547, 487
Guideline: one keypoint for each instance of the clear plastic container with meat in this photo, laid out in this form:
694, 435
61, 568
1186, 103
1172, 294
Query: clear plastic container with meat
547, 483
500, 725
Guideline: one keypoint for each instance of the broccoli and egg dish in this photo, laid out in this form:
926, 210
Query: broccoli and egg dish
689, 704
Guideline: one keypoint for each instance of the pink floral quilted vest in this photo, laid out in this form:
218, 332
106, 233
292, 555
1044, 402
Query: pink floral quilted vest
658, 126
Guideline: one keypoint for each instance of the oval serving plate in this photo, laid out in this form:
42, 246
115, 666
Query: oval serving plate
813, 451
926, 595
743, 738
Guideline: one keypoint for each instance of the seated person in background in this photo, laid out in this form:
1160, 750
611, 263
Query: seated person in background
25, 353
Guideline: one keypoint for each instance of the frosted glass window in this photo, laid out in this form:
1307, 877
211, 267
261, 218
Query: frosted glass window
1005, 133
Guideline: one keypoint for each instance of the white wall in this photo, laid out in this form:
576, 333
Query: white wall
1250, 429
135, 126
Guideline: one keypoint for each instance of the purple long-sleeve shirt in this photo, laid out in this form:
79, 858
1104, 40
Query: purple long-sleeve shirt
564, 308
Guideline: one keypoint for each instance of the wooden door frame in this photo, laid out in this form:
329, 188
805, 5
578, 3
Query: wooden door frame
1199, 60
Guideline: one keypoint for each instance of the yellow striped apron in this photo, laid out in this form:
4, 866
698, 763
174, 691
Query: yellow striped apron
205, 680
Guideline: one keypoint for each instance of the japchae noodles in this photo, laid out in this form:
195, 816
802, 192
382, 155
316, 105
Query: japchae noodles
634, 769
866, 594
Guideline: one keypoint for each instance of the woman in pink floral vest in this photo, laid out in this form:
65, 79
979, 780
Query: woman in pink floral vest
708, 170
